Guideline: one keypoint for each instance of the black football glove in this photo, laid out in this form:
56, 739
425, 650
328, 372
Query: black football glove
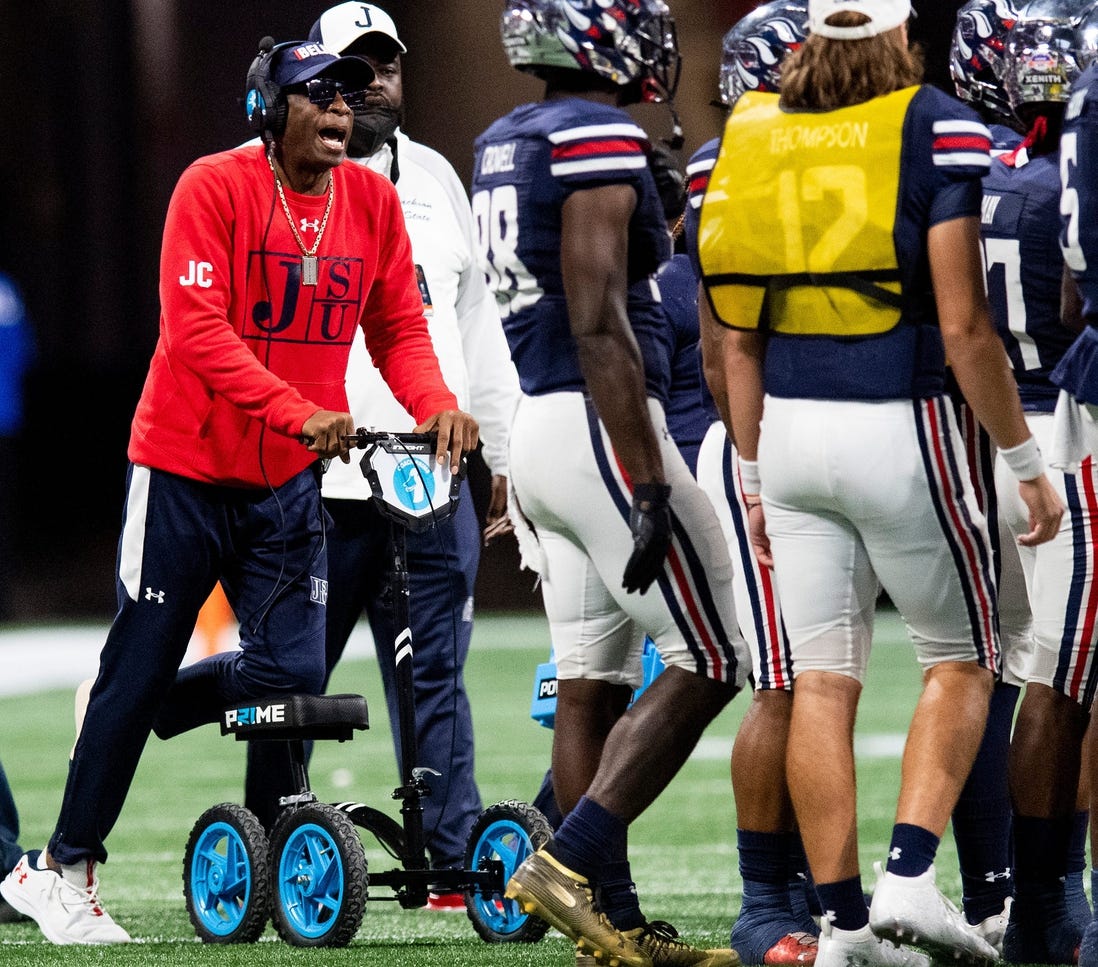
650, 522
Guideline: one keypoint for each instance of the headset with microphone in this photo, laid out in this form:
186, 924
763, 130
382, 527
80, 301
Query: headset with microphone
263, 99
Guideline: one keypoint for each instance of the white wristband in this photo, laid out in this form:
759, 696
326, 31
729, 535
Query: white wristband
749, 476
1025, 460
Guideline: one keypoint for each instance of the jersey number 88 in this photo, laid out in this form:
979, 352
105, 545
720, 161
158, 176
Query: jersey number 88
496, 213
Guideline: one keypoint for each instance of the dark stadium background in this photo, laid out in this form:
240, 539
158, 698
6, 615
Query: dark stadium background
106, 102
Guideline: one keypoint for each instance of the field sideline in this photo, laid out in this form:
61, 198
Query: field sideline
683, 848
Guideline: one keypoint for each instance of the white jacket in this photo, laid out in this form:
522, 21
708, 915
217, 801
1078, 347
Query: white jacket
462, 317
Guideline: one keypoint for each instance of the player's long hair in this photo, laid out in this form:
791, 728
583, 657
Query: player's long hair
825, 74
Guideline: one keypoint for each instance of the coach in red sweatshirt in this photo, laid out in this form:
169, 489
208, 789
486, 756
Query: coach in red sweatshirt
272, 258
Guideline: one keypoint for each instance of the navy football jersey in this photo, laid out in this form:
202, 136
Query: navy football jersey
1003, 139
1079, 204
689, 408
1077, 372
1020, 227
527, 165
698, 169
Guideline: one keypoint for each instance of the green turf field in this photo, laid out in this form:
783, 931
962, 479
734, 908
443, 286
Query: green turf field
683, 848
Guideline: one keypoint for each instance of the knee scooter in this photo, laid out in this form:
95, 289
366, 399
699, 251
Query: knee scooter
310, 877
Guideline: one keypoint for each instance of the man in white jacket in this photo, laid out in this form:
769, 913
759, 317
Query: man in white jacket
475, 361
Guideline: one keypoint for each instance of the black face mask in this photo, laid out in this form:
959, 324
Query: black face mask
371, 130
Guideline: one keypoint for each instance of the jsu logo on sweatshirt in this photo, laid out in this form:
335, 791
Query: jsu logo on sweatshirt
280, 309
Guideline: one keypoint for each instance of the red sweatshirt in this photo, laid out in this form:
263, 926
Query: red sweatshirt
244, 346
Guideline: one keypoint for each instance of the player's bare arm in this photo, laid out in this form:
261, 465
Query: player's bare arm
1071, 303
742, 354
497, 523
979, 361
594, 256
711, 335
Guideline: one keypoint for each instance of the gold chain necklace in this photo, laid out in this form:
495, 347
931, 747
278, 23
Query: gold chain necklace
308, 255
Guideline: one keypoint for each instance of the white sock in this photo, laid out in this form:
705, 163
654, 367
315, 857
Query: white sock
79, 874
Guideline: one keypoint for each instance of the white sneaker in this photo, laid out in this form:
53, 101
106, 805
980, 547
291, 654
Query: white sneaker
993, 928
862, 948
911, 909
65, 906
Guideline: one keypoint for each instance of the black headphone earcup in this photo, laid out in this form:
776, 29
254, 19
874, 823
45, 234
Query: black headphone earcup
264, 102
277, 122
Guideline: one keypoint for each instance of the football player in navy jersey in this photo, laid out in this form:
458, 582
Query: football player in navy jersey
837, 343
571, 231
981, 818
687, 415
774, 925
1075, 446
1024, 266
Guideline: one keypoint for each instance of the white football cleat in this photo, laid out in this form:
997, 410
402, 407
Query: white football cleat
862, 948
993, 928
911, 909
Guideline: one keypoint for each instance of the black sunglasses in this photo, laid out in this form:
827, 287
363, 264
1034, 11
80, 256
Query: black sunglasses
322, 91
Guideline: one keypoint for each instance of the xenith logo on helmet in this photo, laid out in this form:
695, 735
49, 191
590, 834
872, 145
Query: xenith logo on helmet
255, 715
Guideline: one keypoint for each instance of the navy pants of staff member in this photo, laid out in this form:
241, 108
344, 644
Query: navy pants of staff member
10, 850
442, 565
180, 537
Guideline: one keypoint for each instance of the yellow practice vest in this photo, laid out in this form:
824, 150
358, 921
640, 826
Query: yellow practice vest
796, 227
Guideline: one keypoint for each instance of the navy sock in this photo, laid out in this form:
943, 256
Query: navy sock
767, 913
764, 857
1040, 853
1074, 895
911, 851
1077, 845
589, 838
764, 870
843, 903
982, 817
617, 896
802, 891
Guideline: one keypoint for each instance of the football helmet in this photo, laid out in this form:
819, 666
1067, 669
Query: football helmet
621, 40
1086, 35
753, 50
1042, 58
976, 54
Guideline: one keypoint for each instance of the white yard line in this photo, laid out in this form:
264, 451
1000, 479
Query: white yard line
62, 656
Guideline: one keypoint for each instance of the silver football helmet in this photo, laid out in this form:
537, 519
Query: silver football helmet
977, 53
1042, 55
753, 50
621, 40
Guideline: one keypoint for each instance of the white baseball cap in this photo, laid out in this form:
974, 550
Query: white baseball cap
341, 25
883, 15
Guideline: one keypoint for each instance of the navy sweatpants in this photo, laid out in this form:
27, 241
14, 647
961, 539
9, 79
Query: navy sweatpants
179, 537
442, 565
10, 850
